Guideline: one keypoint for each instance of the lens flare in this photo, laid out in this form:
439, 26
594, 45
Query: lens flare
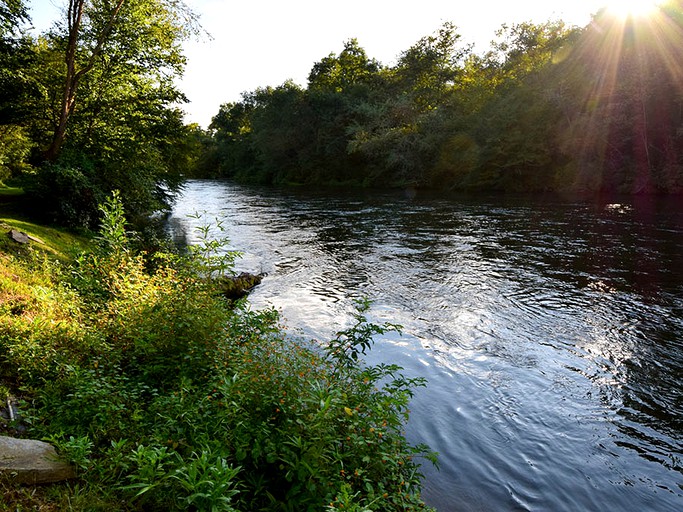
632, 8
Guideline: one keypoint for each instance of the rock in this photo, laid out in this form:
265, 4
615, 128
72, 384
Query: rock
22, 238
236, 287
18, 236
26, 461
35, 239
10, 419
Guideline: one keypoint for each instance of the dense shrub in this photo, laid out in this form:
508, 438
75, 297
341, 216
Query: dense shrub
167, 397
65, 193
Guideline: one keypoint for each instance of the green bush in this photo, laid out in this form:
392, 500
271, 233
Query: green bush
171, 398
15, 147
65, 193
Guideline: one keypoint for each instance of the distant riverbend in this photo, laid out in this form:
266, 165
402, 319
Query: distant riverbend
550, 331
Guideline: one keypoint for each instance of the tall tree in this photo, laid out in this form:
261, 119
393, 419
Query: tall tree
110, 116
16, 56
17, 88
12, 14
393, 137
338, 73
626, 134
133, 37
74, 71
430, 67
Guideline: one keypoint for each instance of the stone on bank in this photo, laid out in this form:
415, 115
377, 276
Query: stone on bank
26, 461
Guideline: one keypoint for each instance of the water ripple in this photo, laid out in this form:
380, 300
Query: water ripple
551, 333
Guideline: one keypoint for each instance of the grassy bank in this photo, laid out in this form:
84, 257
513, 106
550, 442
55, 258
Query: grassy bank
168, 397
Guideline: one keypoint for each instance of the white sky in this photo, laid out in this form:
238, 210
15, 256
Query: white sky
265, 42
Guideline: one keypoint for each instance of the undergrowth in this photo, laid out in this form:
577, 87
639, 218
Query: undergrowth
167, 397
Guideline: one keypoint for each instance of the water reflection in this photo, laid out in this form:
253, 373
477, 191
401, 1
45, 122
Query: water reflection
551, 333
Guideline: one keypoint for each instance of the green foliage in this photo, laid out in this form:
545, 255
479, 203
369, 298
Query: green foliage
16, 55
161, 479
209, 256
76, 450
98, 101
348, 70
207, 482
15, 148
12, 14
167, 397
427, 69
348, 345
113, 239
67, 194
548, 107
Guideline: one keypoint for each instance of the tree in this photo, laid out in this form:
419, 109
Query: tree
16, 56
280, 131
75, 72
350, 68
625, 133
109, 118
231, 152
17, 88
12, 14
393, 137
136, 37
430, 67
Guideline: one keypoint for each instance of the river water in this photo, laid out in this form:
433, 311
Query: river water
550, 331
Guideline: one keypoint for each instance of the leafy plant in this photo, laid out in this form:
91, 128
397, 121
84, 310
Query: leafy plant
169, 398
348, 345
207, 483
209, 256
77, 450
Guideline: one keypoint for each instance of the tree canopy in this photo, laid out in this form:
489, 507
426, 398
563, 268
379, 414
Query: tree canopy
92, 105
103, 111
547, 107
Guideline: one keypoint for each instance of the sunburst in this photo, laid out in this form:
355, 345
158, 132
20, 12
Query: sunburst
632, 8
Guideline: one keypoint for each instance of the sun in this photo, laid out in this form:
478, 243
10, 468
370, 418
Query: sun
632, 8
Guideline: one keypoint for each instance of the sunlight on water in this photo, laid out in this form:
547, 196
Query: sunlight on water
617, 208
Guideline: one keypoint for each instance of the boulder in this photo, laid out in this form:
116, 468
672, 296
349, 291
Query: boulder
237, 287
26, 461
22, 238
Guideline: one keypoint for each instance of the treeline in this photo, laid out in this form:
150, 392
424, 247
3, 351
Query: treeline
548, 107
91, 106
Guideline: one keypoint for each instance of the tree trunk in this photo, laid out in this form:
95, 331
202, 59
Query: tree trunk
73, 76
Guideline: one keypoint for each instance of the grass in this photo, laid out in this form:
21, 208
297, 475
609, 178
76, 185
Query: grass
10, 191
55, 242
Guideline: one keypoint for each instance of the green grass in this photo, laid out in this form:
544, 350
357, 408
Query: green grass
55, 242
15, 213
10, 191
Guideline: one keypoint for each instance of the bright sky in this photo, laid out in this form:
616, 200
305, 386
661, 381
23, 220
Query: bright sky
266, 42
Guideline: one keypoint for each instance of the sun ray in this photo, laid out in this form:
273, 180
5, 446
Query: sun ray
632, 8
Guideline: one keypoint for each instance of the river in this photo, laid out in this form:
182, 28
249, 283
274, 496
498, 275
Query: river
550, 331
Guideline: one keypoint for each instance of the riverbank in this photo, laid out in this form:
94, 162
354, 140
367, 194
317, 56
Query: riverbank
166, 396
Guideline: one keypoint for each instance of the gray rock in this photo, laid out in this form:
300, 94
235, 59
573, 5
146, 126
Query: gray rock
18, 236
26, 461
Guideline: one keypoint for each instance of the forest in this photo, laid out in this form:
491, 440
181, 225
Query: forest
92, 106
548, 107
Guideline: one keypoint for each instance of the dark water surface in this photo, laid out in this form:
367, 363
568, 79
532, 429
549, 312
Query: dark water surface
551, 332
